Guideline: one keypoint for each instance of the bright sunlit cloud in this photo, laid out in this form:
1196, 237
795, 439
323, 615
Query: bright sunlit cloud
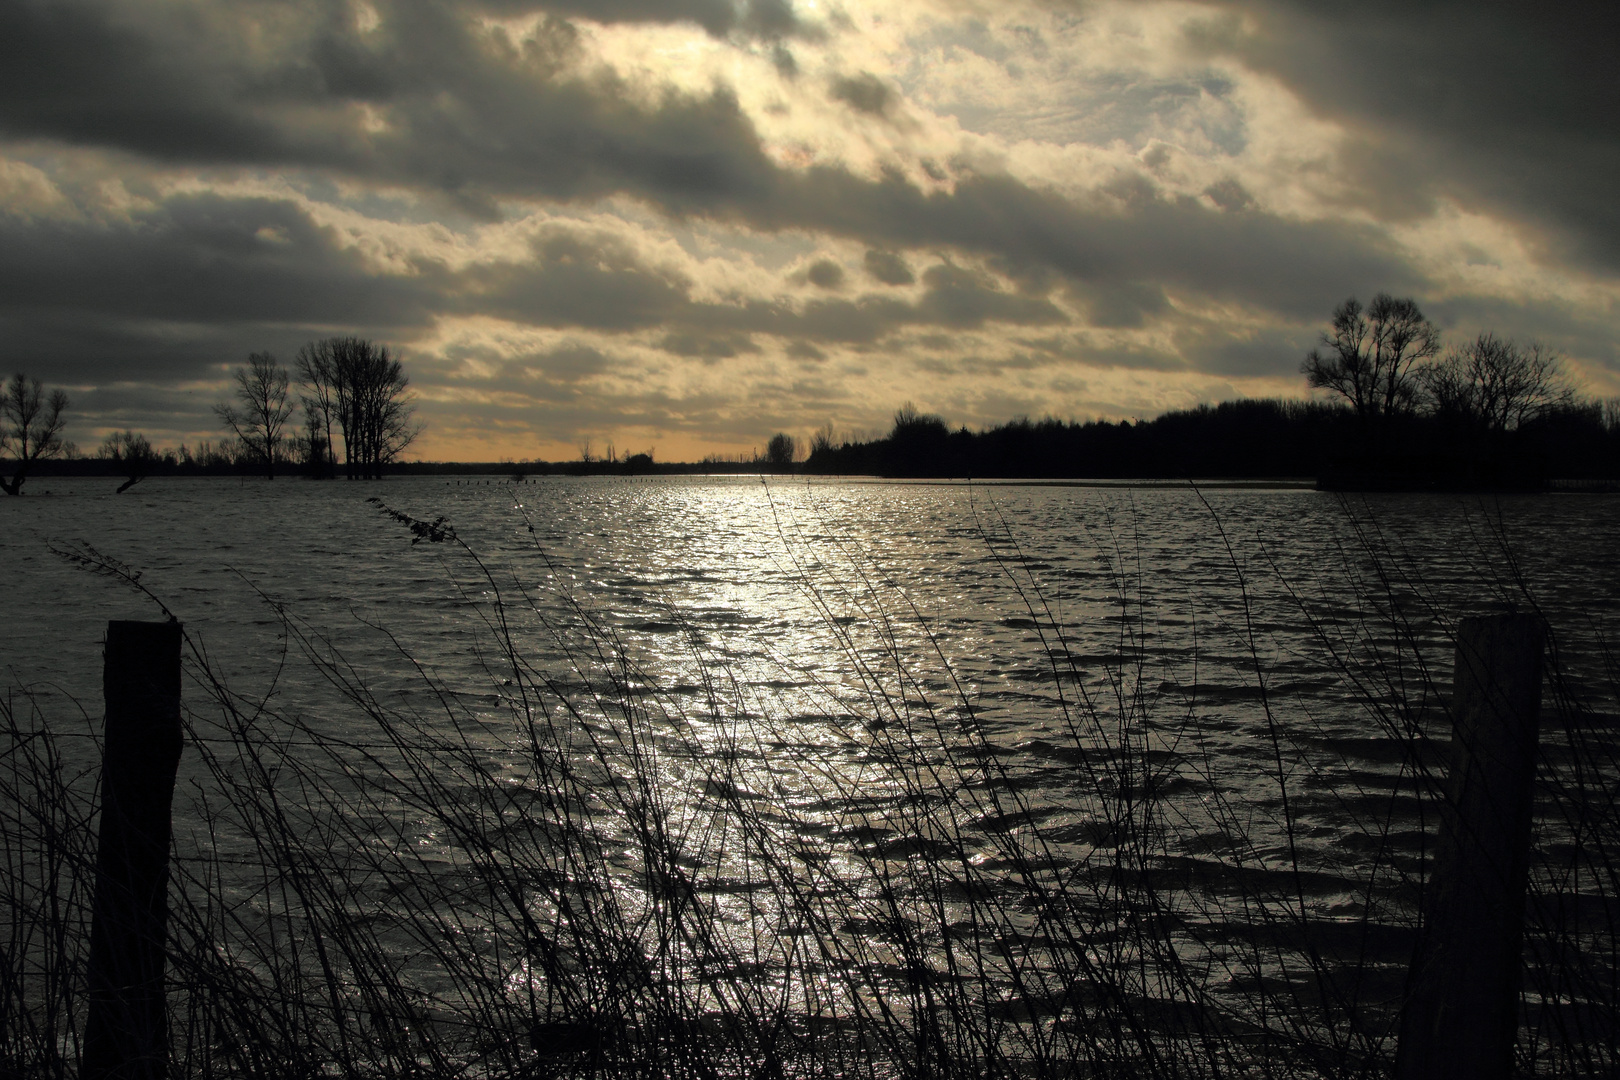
683, 228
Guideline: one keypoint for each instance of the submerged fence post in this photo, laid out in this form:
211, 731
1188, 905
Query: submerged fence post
126, 1033
1460, 1018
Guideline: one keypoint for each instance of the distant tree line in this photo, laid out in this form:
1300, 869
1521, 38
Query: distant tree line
1250, 438
1489, 414
1234, 438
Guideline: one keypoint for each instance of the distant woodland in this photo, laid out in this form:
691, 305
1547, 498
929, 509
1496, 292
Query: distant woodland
1488, 415
1247, 438
1250, 438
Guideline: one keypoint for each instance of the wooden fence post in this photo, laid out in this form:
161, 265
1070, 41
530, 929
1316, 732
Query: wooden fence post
126, 1032
1460, 1017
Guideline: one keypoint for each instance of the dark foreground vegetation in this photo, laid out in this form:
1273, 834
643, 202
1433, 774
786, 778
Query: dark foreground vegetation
561, 867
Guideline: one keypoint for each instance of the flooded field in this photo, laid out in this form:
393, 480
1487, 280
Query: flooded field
718, 777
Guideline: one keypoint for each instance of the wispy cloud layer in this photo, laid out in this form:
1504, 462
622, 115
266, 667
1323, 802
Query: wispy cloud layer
686, 225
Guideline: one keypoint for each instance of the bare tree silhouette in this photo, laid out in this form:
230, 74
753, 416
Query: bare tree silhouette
365, 390
318, 377
261, 387
31, 424
821, 440
1495, 385
131, 451
1369, 357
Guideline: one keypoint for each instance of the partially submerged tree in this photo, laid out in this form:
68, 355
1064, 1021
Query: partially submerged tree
134, 455
1370, 355
314, 449
317, 374
364, 390
31, 423
259, 419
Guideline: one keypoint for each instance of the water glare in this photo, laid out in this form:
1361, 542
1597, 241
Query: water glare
712, 777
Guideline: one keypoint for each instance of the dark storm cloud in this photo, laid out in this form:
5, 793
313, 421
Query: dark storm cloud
482, 118
1219, 350
1229, 195
764, 18
825, 274
571, 363
75, 72
202, 258
864, 93
574, 279
1511, 108
80, 347
707, 346
194, 280
470, 113
548, 374
961, 298
139, 406
232, 84
955, 297
1287, 266
585, 280
889, 268
1120, 304
1563, 327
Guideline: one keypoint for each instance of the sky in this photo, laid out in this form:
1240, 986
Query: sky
681, 226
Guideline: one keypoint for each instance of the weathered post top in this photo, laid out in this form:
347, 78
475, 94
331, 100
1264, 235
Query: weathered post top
126, 1030
1461, 1014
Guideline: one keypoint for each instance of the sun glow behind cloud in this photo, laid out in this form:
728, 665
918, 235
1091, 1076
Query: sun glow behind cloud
684, 234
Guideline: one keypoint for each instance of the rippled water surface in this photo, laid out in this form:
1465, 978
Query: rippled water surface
1242, 656
971, 589
767, 571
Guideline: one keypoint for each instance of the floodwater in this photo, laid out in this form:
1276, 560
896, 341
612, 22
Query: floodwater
757, 567
1258, 661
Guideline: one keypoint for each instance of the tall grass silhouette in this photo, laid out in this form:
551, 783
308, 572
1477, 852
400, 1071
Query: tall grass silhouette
565, 867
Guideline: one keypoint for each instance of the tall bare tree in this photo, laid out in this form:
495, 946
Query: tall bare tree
318, 376
31, 423
261, 390
821, 440
364, 390
1369, 357
314, 443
